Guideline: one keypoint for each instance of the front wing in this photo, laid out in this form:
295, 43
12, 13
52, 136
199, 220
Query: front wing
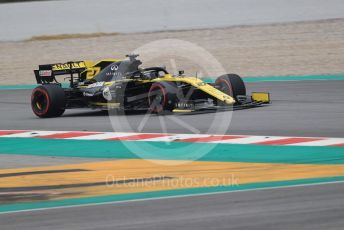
256, 99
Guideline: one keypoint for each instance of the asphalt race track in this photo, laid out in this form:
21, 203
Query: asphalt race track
311, 207
314, 108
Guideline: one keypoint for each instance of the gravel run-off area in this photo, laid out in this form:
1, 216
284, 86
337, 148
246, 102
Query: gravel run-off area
302, 48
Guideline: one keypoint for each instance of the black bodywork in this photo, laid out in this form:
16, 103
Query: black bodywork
124, 85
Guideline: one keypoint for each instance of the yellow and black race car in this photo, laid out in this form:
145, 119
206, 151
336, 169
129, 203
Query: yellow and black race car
123, 85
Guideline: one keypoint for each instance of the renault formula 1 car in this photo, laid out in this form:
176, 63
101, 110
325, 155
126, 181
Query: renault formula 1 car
122, 84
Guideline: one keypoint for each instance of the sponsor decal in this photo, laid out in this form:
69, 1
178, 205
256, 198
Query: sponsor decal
74, 65
114, 74
45, 73
114, 67
107, 94
97, 84
87, 94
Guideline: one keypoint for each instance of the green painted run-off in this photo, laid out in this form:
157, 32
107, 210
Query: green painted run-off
168, 151
173, 151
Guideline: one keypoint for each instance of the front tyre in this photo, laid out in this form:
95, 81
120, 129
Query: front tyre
48, 101
232, 85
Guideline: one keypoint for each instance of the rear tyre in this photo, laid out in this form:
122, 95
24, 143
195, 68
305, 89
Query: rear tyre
231, 84
48, 101
162, 97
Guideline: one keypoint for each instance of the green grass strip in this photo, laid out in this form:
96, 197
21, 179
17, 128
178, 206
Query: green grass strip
160, 194
172, 151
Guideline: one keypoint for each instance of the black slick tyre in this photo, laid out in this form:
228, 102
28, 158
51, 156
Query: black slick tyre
48, 101
231, 84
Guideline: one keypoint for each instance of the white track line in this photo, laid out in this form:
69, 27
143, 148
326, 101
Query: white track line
29, 134
249, 140
325, 142
103, 136
166, 137
176, 137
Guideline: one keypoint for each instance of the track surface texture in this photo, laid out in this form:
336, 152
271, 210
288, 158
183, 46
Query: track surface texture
299, 108
19, 161
311, 207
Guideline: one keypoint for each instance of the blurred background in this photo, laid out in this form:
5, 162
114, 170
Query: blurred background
249, 37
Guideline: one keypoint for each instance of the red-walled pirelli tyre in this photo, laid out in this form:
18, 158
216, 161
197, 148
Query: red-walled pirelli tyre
231, 84
162, 97
48, 101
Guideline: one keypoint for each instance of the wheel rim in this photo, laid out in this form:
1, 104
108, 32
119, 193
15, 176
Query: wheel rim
40, 102
156, 99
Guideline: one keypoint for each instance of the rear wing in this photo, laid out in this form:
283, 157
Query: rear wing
46, 73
